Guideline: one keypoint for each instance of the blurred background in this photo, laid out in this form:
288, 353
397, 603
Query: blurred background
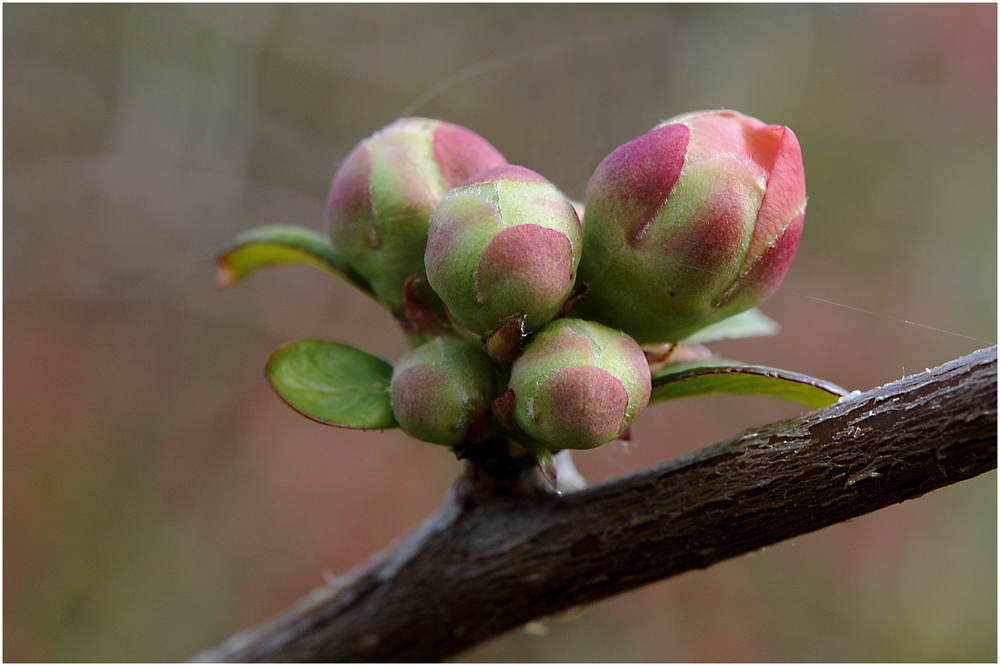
157, 497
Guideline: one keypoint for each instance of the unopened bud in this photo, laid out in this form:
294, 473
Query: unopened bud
504, 243
691, 223
579, 384
385, 190
442, 389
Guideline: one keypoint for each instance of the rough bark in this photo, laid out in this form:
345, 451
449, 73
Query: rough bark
498, 555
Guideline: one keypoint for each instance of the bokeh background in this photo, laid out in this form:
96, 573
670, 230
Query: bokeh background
157, 497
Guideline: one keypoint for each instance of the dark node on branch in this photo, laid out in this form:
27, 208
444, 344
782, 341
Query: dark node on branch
493, 474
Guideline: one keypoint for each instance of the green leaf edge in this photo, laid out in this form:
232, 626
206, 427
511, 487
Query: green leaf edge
685, 380
288, 245
750, 323
388, 419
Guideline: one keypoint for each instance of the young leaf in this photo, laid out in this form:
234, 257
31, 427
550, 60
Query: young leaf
333, 383
716, 377
282, 245
749, 324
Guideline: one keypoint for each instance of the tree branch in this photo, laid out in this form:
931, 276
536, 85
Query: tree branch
488, 562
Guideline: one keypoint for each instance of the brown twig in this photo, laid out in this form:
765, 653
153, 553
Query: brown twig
489, 562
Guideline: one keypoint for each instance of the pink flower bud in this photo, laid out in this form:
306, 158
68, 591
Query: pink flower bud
441, 389
504, 243
386, 189
578, 384
691, 223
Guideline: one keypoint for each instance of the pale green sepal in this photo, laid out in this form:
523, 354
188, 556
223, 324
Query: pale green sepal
749, 324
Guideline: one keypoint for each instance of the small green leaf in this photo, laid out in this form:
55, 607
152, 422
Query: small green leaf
282, 246
333, 383
683, 380
749, 324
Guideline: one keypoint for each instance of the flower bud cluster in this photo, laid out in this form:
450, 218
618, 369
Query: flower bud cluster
691, 223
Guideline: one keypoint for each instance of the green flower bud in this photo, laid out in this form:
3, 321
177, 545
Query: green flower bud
504, 243
442, 389
385, 191
693, 222
579, 384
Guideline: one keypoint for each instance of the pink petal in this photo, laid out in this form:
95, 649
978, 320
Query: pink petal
350, 193
583, 403
506, 172
784, 199
528, 262
641, 174
767, 273
462, 153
